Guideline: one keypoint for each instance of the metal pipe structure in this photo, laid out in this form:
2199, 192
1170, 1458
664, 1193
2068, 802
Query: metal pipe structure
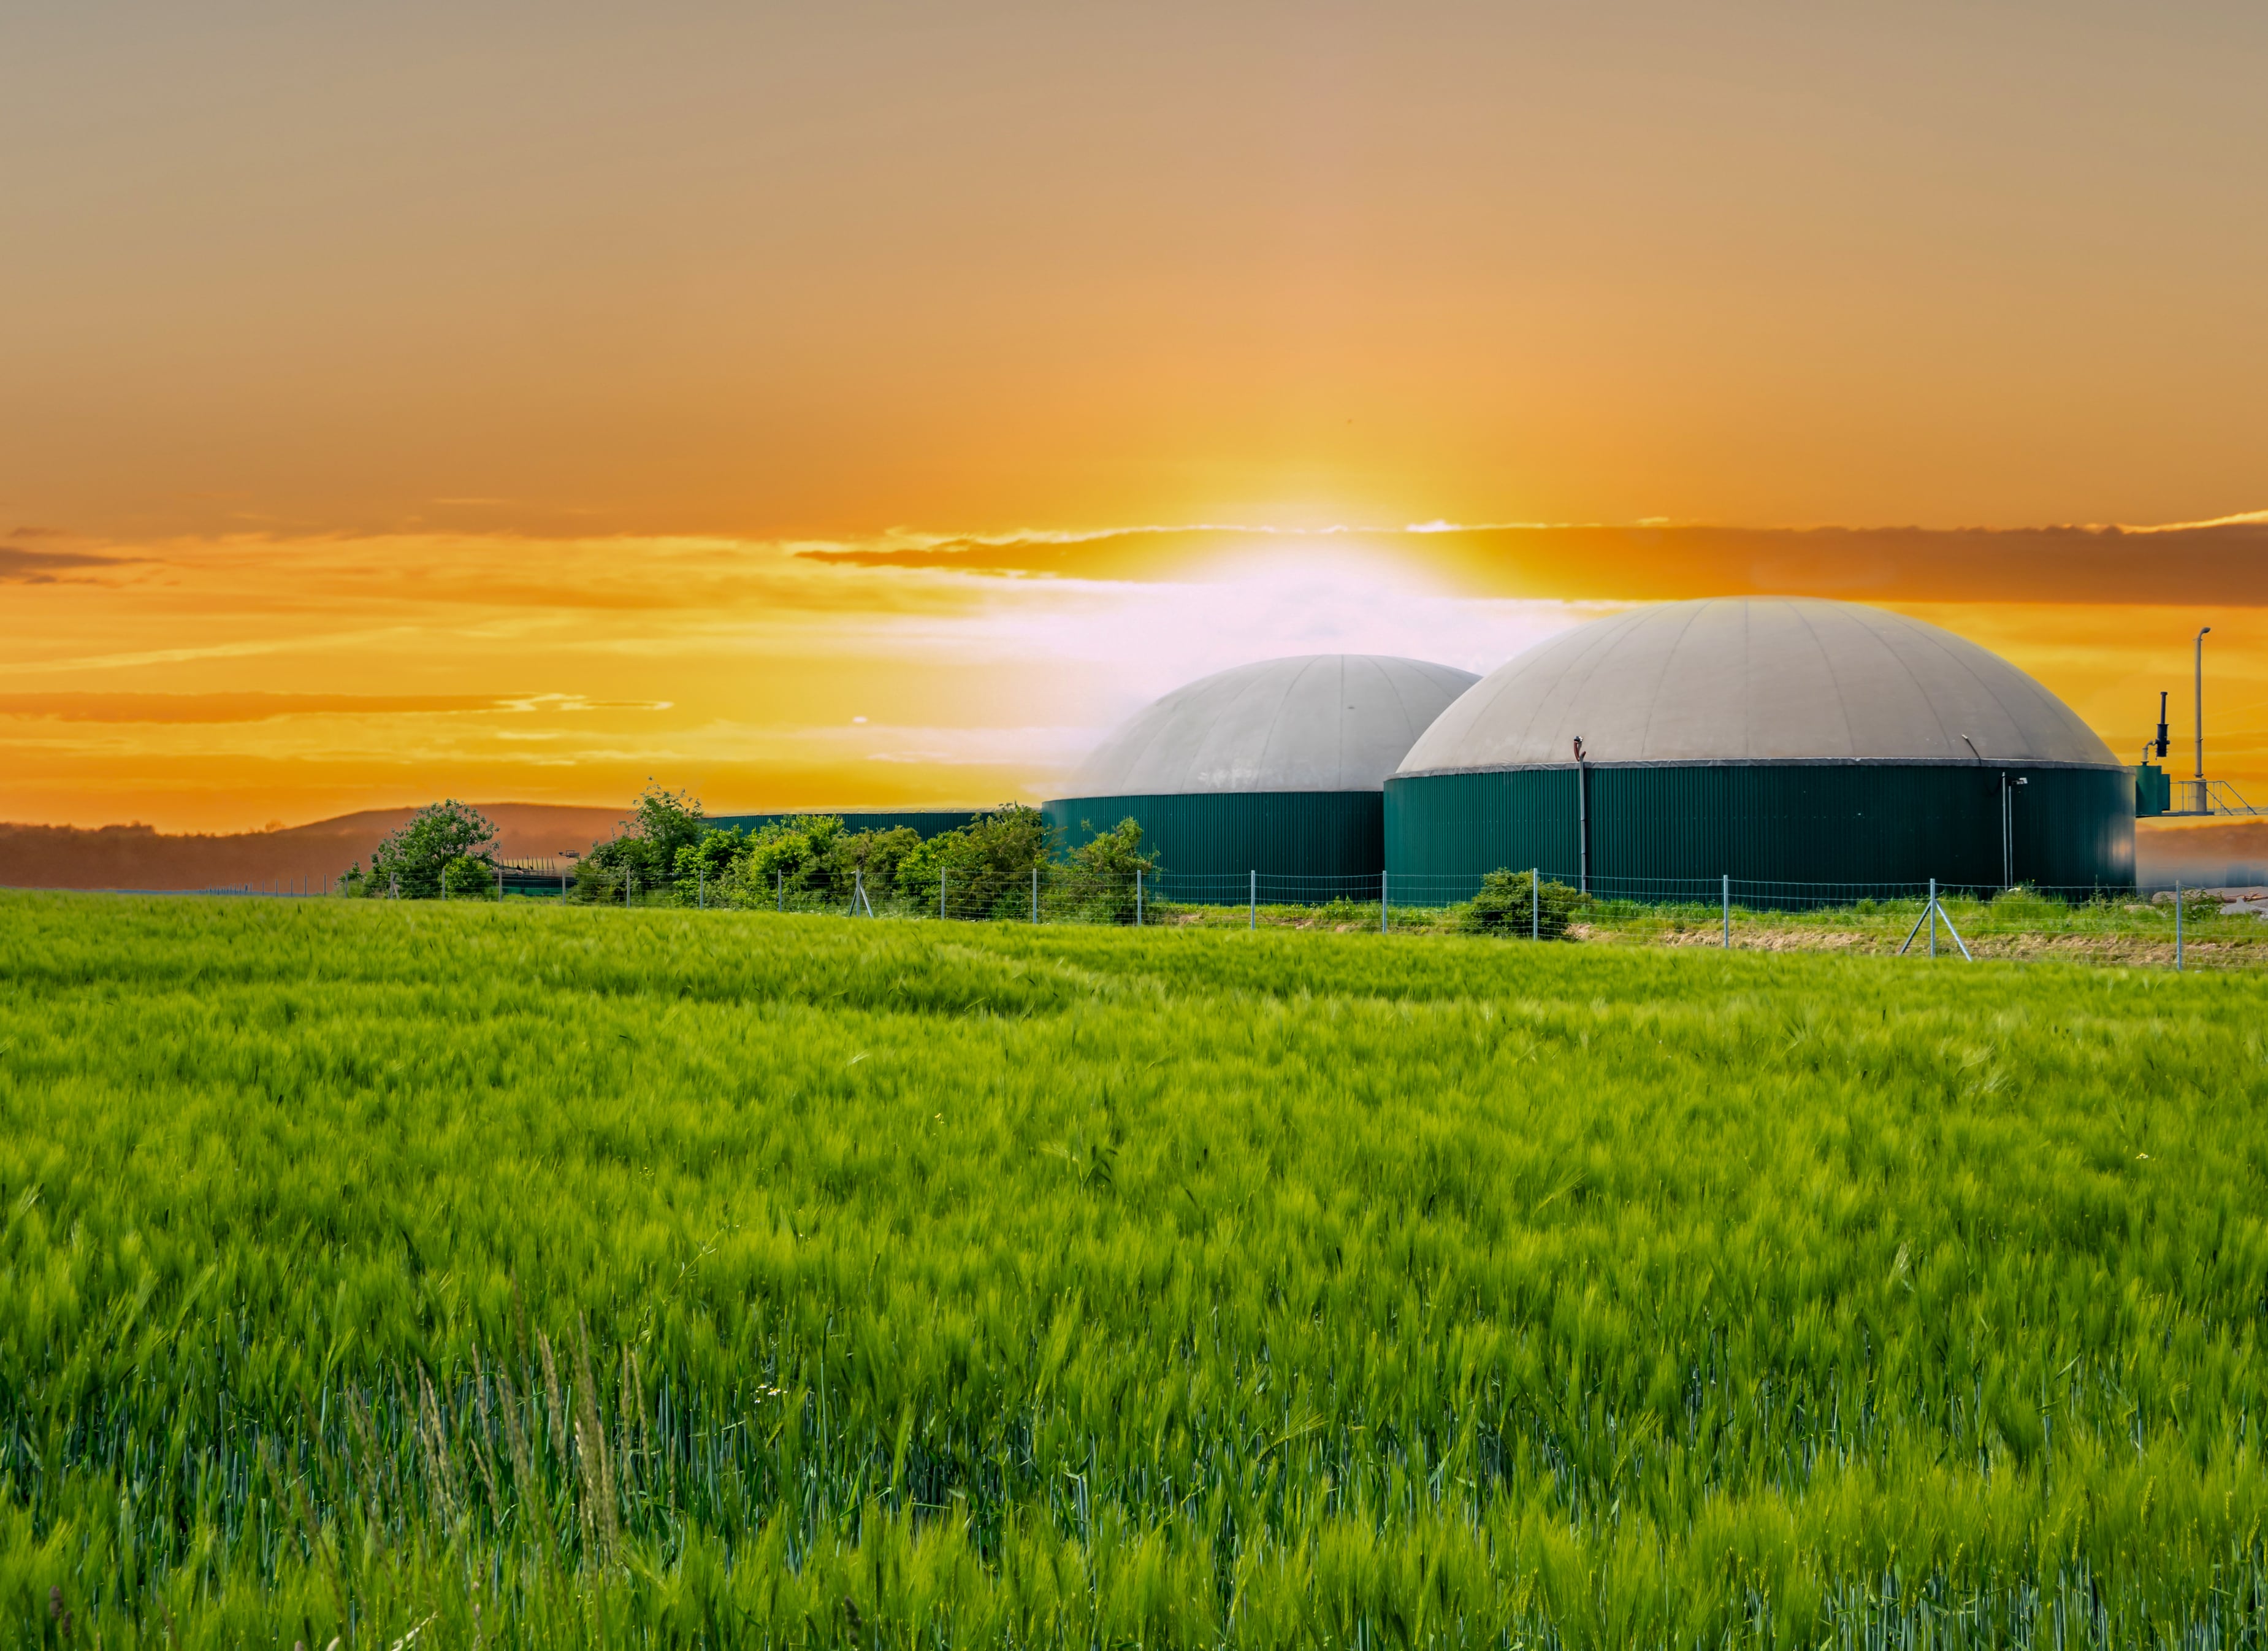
1035, 893
1254, 924
1728, 911
1535, 902
1583, 817
1137, 896
2204, 804
1381, 902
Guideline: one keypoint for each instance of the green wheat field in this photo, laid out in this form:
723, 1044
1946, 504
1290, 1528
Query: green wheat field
402, 1275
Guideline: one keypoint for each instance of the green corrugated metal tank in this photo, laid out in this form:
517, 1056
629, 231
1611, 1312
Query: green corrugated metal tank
2154, 791
1275, 767
1781, 740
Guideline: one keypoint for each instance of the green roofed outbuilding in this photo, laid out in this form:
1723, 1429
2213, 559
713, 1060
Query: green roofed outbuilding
1772, 740
1277, 767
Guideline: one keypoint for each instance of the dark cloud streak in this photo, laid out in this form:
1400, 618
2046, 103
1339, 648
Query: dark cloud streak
20, 566
235, 708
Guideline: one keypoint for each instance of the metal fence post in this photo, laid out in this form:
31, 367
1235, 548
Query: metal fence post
858, 891
1381, 902
1254, 924
1728, 911
1035, 893
2177, 925
1137, 896
941, 878
701, 888
1535, 902
1931, 915
782, 888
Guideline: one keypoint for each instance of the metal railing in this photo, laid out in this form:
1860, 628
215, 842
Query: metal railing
2190, 797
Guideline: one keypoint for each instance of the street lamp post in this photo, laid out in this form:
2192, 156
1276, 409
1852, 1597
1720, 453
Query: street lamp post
2203, 805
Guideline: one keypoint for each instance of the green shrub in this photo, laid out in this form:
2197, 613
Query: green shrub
872, 856
788, 857
1100, 881
705, 867
466, 878
985, 867
1509, 903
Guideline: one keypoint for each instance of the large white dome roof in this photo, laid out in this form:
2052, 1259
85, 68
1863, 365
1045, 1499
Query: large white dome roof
1319, 722
1756, 678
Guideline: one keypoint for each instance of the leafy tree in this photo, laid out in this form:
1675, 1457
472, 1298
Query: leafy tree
1508, 903
642, 859
414, 857
668, 821
465, 878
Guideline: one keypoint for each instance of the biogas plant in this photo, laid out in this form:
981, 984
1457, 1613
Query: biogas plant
1788, 739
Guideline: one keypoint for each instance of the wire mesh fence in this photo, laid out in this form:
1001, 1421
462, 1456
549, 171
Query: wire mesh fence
2171, 925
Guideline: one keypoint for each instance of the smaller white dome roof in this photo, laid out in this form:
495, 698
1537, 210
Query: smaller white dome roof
1318, 722
1756, 679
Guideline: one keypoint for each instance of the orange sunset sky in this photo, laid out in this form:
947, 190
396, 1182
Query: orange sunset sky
871, 403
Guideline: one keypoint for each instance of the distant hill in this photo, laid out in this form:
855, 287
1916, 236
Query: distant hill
143, 856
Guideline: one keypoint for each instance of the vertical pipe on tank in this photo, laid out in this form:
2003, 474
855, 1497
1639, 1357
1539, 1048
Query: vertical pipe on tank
1582, 817
2008, 845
